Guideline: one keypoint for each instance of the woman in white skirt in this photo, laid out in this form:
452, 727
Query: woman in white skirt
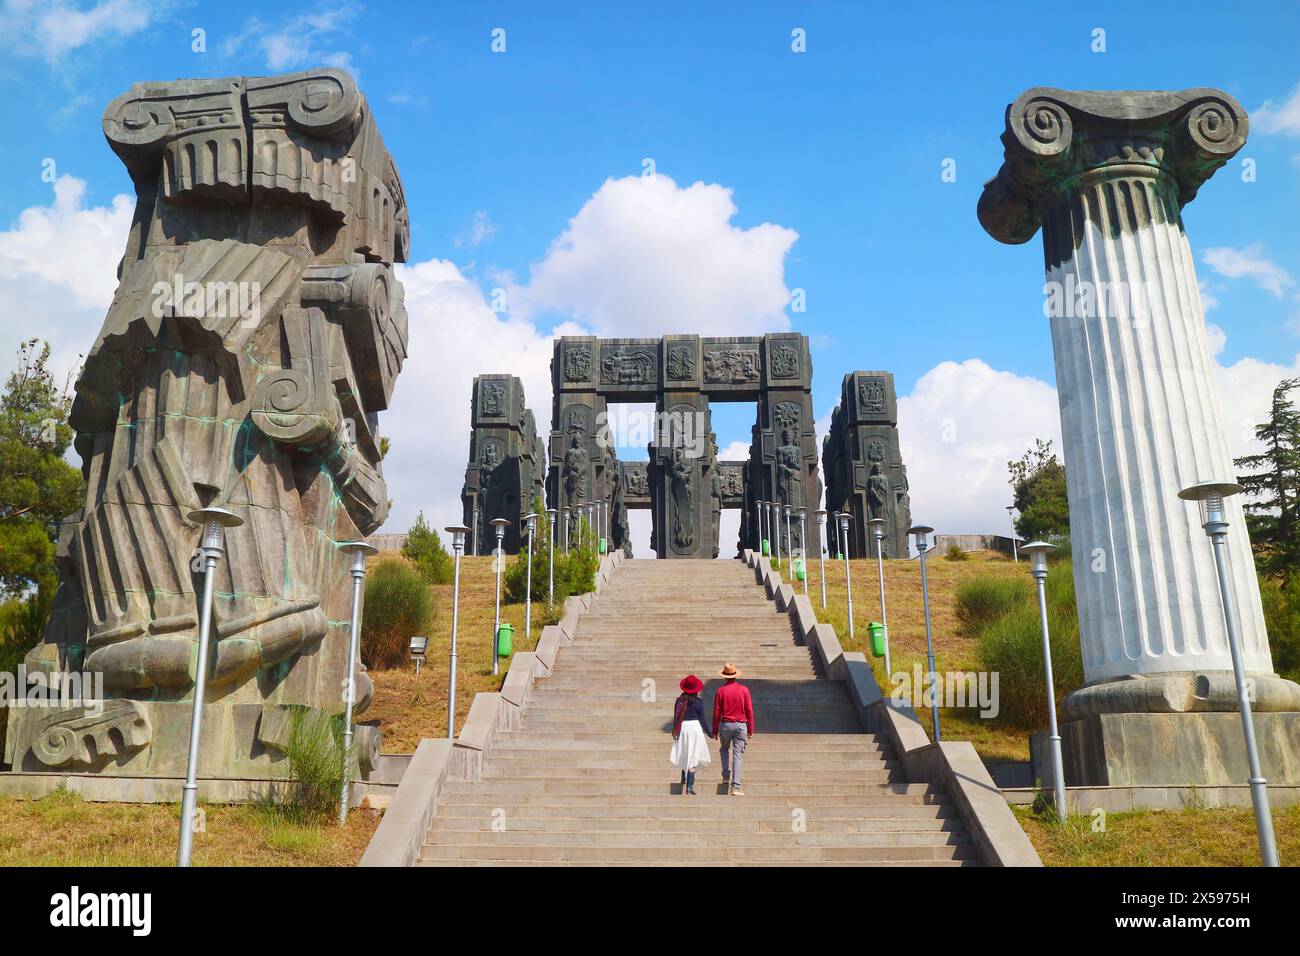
690, 733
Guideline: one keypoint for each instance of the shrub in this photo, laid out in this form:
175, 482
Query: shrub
398, 606
1282, 618
575, 572
315, 753
1010, 643
955, 553
985, 599
424, 549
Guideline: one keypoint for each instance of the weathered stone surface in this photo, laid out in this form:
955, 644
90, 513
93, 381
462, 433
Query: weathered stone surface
865, 474
505, 472
256, 332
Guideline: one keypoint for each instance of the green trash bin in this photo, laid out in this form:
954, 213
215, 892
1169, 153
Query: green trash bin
603, 546
505, 639
767, 548
877, 638
800, 572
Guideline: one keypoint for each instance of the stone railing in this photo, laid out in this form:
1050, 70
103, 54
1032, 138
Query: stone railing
953, 765
401, 833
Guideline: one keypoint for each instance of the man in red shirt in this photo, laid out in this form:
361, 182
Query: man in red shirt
733, 724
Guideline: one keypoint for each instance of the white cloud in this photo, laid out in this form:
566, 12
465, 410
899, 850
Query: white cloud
58, 270
1281, 117
481, 230
304, 39
958, 429
1245, 393
1249, 263
454, 335
646, 257
55, 28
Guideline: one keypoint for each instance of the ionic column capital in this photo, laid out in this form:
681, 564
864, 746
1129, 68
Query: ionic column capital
1056, 140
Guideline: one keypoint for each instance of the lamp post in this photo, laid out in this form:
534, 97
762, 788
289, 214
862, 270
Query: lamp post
500, 524
803, 541
565, 519
531, 520
789, 551
877, 526
474, 543
821, 550
920, 534
1210, 495
215, 521
357, 551
458, 533
762, 525
773, 526
1038, 552
1015, 550
843, 519
551, 514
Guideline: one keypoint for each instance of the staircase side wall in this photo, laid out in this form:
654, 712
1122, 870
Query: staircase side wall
401, 833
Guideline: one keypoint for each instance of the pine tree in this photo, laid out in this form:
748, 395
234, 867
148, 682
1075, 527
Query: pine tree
1038, 493
38, 489
1272, 483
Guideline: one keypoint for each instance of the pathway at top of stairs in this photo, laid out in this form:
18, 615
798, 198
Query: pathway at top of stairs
586, 779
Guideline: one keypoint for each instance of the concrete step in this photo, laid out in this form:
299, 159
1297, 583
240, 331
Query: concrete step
635, 861
827, 819
865, 784
740, 854
759, 803
718, 838
652, 771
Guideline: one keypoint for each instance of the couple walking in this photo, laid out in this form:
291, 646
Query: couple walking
733, 723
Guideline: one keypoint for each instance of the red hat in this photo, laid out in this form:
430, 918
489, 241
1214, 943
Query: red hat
691, 684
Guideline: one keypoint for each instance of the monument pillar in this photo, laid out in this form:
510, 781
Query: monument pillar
1106, 175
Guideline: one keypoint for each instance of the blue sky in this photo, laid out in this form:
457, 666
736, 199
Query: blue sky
842, 145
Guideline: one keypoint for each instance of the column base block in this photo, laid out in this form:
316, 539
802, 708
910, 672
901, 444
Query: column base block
1166, 750
1180, 692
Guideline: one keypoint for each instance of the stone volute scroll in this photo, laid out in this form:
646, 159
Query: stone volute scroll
255, 335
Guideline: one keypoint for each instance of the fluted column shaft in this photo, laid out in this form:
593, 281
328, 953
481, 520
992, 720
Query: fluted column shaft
1140, 420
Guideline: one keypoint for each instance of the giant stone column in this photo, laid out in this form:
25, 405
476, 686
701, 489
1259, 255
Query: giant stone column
1106, 174
255, 335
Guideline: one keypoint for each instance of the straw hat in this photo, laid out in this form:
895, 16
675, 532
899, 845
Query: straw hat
729, 671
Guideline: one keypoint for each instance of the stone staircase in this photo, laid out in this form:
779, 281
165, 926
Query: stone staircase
586, 780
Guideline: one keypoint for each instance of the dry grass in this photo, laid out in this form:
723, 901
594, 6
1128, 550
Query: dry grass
954, 649
1189, 837
410, 708
64, 830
